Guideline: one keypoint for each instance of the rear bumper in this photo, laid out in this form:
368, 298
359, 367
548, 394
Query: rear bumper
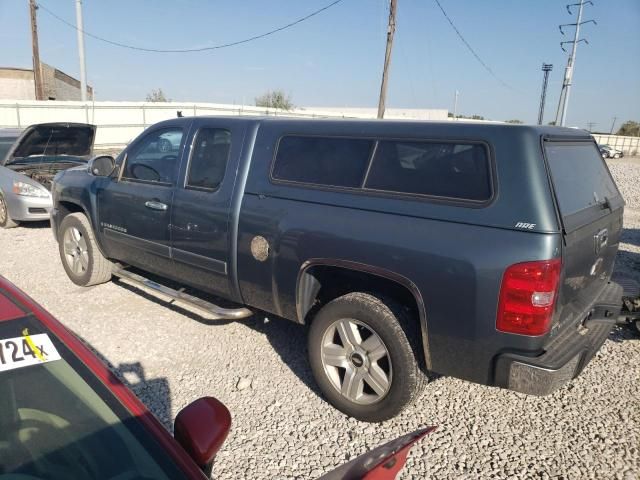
566, 355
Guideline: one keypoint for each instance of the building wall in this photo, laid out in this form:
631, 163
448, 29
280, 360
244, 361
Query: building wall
60, 86
17, 84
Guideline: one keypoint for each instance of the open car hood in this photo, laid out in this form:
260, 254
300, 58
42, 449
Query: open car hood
381, 463
53, 142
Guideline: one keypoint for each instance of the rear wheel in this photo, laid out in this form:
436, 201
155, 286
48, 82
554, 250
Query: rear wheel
79, 252
363, 354
5, 218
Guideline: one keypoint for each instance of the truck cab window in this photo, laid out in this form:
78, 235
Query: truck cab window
330, 161
155, 157
209, 158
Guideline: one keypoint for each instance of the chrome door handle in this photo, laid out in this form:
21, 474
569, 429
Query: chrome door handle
155, 205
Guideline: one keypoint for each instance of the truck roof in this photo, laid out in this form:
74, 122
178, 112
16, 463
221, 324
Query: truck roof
476, 128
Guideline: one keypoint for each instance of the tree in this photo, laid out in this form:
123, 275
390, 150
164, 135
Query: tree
157, 96
516, 121
630, 129
275, 99
552, 123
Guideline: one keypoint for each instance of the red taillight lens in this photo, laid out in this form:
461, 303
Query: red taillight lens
527, 297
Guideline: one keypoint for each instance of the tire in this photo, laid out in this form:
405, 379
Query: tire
378, 325
5, 218
82, 260
616, 155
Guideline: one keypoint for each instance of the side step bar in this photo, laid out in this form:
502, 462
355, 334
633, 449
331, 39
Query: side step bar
218, 312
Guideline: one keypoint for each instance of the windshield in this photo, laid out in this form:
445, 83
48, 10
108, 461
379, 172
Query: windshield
57, 420
580, 176
50, 143
5, 144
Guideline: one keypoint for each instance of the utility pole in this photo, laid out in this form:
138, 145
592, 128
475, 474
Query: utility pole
391, 29
37, 71
83, 66
546, 68
612, 124
455, 105
590, 125
563, 103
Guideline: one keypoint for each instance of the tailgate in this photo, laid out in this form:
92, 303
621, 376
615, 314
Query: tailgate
590, 209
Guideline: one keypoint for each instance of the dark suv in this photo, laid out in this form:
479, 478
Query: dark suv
480, 251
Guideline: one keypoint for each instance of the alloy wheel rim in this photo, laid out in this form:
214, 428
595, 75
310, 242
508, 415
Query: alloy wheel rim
356, 361
75, 251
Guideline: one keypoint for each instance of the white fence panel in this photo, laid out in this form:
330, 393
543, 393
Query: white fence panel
120, 122
628, 145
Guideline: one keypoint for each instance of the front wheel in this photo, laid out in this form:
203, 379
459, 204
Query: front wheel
82, 260
364, 356
5, 218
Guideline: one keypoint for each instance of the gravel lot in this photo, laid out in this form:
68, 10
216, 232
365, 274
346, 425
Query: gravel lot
284, 429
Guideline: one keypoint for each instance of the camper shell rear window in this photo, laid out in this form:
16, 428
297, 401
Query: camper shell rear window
580, 177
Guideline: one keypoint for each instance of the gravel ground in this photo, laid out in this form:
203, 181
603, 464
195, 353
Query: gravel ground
282, 428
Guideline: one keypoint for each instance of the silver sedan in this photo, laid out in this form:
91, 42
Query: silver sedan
28, 163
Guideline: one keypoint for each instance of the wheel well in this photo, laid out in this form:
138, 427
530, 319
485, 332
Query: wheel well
65, 208
319, 284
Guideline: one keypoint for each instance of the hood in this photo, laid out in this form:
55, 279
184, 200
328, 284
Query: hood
53, 142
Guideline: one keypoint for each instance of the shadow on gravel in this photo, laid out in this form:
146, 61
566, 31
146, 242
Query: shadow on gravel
289, 340
35, 225
621, 333
155, 393
631, 236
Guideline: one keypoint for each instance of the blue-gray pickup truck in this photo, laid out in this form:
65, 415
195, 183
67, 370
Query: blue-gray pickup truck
479, 251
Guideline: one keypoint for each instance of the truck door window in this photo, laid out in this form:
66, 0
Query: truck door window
155, 157
337, 162
451, 170
209, 158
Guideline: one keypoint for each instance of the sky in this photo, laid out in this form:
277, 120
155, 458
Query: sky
335, 58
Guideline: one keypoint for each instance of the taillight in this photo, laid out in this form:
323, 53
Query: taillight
527, 297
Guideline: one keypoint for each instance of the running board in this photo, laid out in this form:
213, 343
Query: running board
218, 312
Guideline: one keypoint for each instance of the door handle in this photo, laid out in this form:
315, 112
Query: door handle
153, 205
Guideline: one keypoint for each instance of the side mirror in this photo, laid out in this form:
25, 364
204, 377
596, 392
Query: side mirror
201, 428
101, 166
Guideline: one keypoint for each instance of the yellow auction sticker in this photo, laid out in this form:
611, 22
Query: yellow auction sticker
26, 350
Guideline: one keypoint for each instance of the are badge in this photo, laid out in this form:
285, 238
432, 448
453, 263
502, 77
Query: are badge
26, 350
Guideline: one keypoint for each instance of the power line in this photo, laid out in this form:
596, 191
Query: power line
189, 50
473, 52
